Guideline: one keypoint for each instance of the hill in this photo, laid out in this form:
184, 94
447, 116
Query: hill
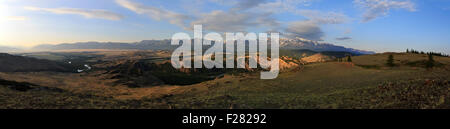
401, 60
326, 85
330, 85
8, 49
316, 58
310, 56
12, 63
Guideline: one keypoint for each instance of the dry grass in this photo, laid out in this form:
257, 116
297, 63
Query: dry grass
320, 85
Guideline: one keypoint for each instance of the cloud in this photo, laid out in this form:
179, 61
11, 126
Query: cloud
236, 19
304, 29
87, 13
221, 2
248, 14
16, 18
377, 8
324, 18
343, 38
222, 21
265, 6
280, 6
247, 4
155, 13
308, 29
245, 14
311, 28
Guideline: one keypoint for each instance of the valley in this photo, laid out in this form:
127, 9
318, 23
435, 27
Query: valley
130, 79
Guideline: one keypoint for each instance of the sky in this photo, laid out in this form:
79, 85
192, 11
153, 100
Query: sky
375, 25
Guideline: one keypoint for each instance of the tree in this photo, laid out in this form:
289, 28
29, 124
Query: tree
407, 50
349, 59
430, 62
390, 61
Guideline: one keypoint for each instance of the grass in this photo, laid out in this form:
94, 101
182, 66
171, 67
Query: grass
365, 84
11, 99
311, 88
403, 59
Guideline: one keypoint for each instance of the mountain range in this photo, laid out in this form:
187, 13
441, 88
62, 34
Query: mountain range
300, 43
165, 45
9, 49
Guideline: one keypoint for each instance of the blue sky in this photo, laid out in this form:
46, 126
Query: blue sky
377, 25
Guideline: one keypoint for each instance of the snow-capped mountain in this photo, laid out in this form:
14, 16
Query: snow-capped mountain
165, 45
300, 43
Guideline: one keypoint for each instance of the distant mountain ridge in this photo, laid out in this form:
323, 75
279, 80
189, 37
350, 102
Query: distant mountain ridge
300, 43
165, 45
143, 45
8, 49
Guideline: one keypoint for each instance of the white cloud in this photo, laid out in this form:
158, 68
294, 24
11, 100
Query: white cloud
222, 21
377, 8
280, 6
155, 13
6, 15
308, 29
16, 18
265, 6
235, 19
324, 18
87, 13
247, 14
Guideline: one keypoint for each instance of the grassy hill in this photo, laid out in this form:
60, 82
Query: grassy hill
401, 60
318, 85
330, 85
314, 56
297, 53
12, 63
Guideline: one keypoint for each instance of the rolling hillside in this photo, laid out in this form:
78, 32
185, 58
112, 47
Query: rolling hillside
327, 85
12, 63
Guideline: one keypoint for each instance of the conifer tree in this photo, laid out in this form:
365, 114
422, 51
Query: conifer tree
430, 62
390, 61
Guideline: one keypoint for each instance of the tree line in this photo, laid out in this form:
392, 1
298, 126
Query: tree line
428, 53
345, 59
430, 63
